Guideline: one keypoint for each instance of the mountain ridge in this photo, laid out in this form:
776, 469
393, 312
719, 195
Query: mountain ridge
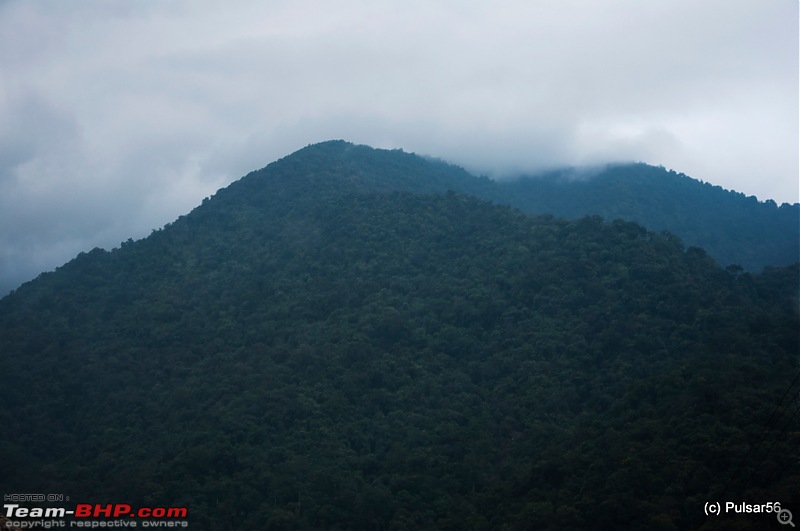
296, 353
734, 229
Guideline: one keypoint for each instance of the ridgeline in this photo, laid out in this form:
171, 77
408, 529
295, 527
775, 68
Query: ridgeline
337, 341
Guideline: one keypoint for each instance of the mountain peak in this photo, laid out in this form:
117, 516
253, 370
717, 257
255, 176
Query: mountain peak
338, 165
733, 228
394, 360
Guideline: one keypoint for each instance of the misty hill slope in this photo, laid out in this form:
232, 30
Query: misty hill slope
731, 227
301, 351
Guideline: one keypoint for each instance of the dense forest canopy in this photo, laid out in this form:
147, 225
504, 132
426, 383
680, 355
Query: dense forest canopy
338, 342
731, 227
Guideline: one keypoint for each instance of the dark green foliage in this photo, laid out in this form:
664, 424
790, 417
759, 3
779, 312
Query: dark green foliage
731, 227
313, 348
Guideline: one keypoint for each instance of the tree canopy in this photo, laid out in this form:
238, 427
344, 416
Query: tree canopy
310, 349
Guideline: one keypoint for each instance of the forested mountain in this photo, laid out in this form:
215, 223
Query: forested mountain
337, 342
731, 227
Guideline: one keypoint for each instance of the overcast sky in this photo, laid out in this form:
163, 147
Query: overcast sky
117, 117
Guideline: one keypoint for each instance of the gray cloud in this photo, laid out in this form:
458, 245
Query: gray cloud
115, 118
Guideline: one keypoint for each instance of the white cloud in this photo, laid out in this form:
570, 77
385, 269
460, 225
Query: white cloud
117, 117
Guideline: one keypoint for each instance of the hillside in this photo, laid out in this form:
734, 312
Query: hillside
731, 227
318, 347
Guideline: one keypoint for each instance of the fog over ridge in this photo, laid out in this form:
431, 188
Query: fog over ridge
117, 118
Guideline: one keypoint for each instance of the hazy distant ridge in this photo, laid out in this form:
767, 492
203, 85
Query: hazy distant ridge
731, 227
317, 346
